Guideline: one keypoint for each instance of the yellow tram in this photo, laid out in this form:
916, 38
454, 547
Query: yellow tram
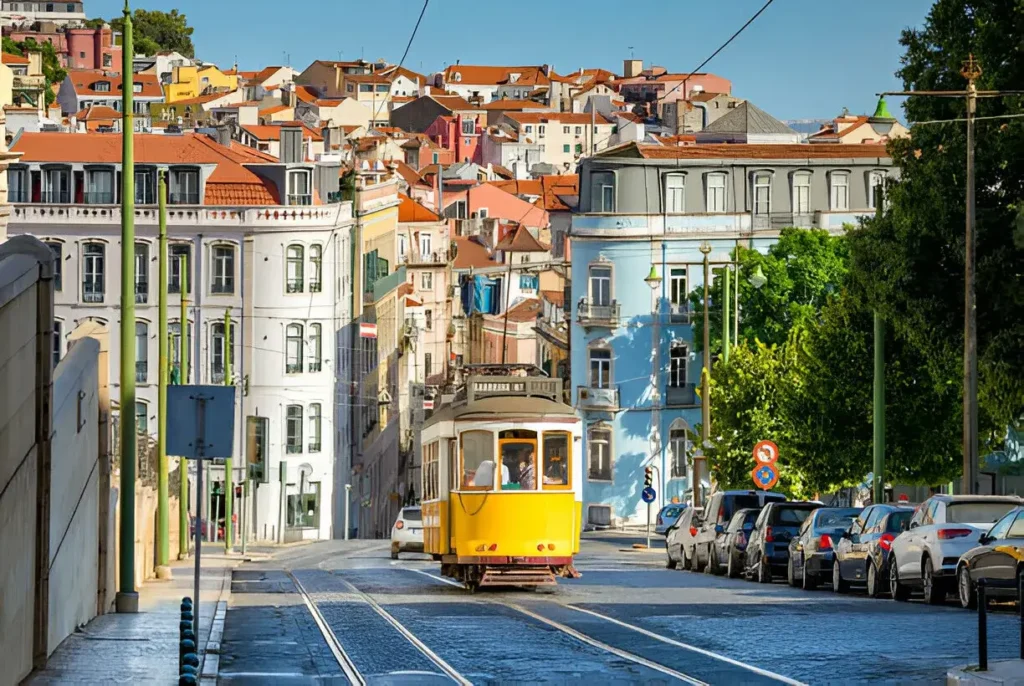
502, 482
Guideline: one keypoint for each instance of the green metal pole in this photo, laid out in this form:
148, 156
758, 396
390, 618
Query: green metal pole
878, 409
229, 476
127, 599
726, 324
163, 546
183, 379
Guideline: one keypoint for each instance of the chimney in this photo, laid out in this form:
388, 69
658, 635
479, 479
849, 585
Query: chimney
224, 135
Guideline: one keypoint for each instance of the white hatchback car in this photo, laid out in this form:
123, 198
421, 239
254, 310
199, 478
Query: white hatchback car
943, 528
407, 533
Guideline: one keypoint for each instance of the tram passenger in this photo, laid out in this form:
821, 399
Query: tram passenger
556, 474
527, 478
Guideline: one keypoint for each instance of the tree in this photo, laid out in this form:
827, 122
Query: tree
155, 31
53, 71
909, 264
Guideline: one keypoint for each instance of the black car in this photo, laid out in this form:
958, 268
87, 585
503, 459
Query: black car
862, 552
710, 539
735, 542
767, 552
810, 551
997, 558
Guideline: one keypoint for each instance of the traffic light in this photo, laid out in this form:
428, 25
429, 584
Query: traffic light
647, 477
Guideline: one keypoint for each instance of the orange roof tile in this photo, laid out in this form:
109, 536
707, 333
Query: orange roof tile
490, 75
578, 118
471, 255
519, 186
86, 80
521, 240
305, 94
554, 297
274, 109
453, 102
410, 211
10, 58
97, 112
555, 186
508, 104
272, 132
524, 311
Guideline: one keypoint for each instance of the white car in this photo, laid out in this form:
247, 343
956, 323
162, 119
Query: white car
943, 528
407, 533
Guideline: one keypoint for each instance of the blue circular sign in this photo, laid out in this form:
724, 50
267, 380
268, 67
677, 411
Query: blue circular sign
648, 495
765, 476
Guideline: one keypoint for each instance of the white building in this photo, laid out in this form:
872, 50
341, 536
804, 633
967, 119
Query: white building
20, 12
564, 137
262, 248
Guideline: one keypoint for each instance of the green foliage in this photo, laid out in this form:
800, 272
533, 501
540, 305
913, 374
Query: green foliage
155, 31
11, 47
52, 68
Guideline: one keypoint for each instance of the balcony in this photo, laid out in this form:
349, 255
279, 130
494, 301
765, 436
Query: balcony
776, 221
190, 198
597, 398
300, 199
682, 396
590, 314
293, 286
315, 366
141, 371
141, 292
679, 313
56, 197
416, 257
92, 291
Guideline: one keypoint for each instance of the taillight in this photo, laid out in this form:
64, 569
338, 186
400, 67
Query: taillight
693, 531
740, 538
494, 546
885, 542
399, 524
946, 534
824, 543
768, 538
721, 513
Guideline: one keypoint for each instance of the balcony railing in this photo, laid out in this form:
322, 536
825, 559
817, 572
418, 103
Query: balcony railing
416, 257
184, 198
781, 220
598, 398
315, 366
217, 375
679, 313
315, 286
92, 292
56, 197
313, 447
141, 371
99, 197
18, 196
591, 314
685, 395
141, 292
222, 287
293, 448
293, 368
300, 199
293, 285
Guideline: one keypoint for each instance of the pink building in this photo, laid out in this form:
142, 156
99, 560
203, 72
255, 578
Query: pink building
92, 49
460, 134
487, 201
657, 85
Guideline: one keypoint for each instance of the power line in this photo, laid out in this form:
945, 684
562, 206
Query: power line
405, 54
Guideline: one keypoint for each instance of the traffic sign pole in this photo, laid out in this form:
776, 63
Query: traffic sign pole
648, 525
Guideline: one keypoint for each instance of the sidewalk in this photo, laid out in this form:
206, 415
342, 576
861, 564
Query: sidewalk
143, 648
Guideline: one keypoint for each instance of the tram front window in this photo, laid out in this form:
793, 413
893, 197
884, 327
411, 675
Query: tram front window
478, 460
556, 459
520, 461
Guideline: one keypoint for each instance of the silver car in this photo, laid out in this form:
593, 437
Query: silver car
943, 528
680, 540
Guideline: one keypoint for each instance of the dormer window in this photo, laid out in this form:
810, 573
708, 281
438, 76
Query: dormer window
513, 78
136, 87
300, 190
184, 187
457, 77
101, 86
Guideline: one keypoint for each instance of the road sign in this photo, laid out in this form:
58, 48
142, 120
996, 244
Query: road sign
367, 330
648, 495
765, 476
201, 421
766, 452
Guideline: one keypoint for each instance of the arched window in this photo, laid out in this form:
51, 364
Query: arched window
293, 349
93, 272
316, 264
141, 352
293, 269
293, 429
315, 347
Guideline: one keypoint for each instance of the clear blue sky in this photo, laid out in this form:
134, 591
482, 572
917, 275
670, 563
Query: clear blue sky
800, 59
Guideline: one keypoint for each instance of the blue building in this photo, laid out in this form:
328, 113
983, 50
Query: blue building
633, 364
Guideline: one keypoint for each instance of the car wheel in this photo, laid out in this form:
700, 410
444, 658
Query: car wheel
965, 589
764, 571
899, 592
671, 563
790, 574
874, 587
713, 567
808, 582
731, 569
934, 589
839, 585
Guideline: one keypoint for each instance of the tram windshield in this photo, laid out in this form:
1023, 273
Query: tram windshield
519, 466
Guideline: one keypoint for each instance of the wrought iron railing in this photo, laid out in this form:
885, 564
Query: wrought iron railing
588, 312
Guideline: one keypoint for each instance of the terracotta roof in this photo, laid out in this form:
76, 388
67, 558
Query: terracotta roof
272, 132
554, 297
503, 172
396, 71
684, 139
704, 96
410, 175
274, 109
555, 186
453, 102
255, 156
519, 186
229, 184
578, 118
261, 75
85, 80
305, 94
328, 103
507, 104
761, 151
410, 211
367, 78
10, 58
525, 311
488, 75
471, 255
521, 240
98, 112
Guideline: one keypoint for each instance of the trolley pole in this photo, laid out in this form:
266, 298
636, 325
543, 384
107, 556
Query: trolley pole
183, 379
163, 551
229, 474
705, 379
878, 415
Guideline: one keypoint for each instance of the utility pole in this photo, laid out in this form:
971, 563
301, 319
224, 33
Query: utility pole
878, 414
183, 379
971, 71
726, 324
705, 380
163, 547
127, 599
229, 476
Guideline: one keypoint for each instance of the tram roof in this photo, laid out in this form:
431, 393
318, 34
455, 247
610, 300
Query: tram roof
503, 397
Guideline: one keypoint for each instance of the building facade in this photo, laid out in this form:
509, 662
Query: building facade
634, 367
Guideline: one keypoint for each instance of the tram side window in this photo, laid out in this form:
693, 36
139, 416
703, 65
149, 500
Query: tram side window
430, 472
556, 459
478, 463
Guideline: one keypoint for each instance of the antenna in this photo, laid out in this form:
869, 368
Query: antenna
630, 52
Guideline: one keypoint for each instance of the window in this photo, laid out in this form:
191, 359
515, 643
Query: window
876, 181
141, 419
556, 466
314, 428
180, 257
58, 340
220, 352
57, 186
93, 272
425, 245
299, 192
316, 268
678, 357
184, 188
136, 87
578, 131
541, 130
99, 189
99, 86
145, 187
677, 441
293, 349
600, 368
174, 328
468, 126
141, 273
294, 259
677, 291
223, 269
599, 454
601, 286
802, 192
840, 196
518, 460
675, 193
428, 367
427, 281
566, 148
57, 249
293, 429
716, 193
528, 129
401, 247
478, 466
17, 185
141, 352
316, 347
428, 316
762, 193
602, 190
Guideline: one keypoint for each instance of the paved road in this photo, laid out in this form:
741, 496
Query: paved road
627, 620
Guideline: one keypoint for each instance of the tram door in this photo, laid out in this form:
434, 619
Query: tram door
518, 456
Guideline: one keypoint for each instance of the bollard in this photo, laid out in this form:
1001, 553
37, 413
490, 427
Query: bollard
186, 616
1020, 607
183, 624
187, 680
185, 647
187, 634
982, 627
186, 603
190, 660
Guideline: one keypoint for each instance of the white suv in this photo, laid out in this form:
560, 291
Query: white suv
943, 528
407, 533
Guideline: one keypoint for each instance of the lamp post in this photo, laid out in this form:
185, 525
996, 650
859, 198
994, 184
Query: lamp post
705, 381
653, 279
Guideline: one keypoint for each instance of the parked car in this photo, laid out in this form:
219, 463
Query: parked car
710, 538
862, 553
811, 550
668, 516
999, 556
943, 528
767, 552
736, 535
407, 533
679, 542
206, 528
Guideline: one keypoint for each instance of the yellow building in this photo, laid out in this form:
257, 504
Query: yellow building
188, 82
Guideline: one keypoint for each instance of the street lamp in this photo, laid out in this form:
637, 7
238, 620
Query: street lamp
757, 279
653, 279
705, 379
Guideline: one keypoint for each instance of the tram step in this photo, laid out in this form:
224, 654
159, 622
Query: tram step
540, 576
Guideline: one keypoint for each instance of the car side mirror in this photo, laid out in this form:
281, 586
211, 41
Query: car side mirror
719, 529
914, 525
984, 539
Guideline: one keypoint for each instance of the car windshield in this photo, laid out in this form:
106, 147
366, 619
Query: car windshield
835, 519
976, 512
412, 514
672, 512
792, 516
898, 521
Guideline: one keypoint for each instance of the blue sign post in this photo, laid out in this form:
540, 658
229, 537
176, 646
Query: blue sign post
648, 495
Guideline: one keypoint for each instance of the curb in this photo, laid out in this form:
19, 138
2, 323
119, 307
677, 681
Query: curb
210, 670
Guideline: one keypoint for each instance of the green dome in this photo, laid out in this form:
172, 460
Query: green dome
882, 110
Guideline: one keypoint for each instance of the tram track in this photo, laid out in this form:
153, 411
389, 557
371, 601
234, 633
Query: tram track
345, 663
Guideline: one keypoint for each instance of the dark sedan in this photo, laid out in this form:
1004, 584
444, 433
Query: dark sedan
735, 542
998, 559
810, 552
862, 553
767, 552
